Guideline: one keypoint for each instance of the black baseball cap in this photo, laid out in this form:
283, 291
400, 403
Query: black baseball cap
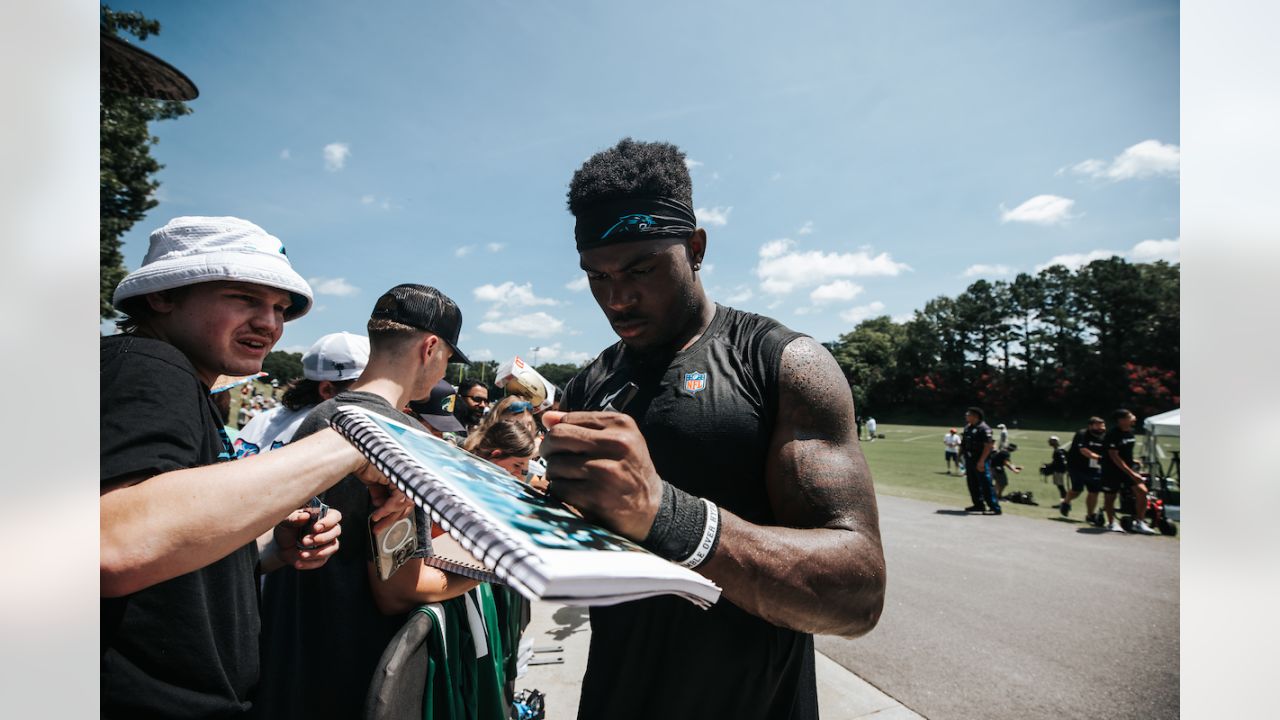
134, 71
425, 308
437, 409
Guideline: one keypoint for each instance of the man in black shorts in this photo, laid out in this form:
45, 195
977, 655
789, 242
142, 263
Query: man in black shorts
1084, 467
1119, 474
178, 560
737, 457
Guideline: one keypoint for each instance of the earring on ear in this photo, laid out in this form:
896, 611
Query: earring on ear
697, 266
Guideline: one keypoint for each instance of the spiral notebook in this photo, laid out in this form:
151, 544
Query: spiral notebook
529, 540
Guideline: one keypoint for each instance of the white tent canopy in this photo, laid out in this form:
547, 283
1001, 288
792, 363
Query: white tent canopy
1165, 424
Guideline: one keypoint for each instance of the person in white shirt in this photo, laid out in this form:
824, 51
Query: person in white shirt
871, 428
951, 441
328, 368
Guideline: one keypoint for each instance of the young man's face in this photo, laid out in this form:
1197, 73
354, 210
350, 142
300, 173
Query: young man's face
970, 419
1097, 428
223, 327
1125, 423
647, 289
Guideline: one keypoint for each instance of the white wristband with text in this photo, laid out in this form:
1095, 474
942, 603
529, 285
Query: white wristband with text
710, 531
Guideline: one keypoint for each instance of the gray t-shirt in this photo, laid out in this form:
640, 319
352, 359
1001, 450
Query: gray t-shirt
322, 634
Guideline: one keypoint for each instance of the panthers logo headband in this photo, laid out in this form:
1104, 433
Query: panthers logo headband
633, 218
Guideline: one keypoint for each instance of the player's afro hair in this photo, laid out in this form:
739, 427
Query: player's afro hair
631, 169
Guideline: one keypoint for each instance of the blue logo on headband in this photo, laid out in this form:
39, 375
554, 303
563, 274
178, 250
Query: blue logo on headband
639, 221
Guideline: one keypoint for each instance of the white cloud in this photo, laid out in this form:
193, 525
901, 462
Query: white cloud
1072, 261
903, 318
509, 294
335, 156
740, 294
690, 163
1152, 250
981, 270
463, 251
707, 268
838, 291
557, 354
533, 325
480, 355
862, 312
332, 286
1143, 252
495, 247
578, 285
1148, 158
716, 216
1040, 210
284, 154
806, 229
782, 269
367, 199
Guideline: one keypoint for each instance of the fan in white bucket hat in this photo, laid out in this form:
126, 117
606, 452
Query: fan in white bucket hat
190, 250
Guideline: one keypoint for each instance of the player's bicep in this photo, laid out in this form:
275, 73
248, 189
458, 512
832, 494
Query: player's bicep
815, 474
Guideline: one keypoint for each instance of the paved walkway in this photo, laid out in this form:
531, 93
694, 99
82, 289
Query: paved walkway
841, 694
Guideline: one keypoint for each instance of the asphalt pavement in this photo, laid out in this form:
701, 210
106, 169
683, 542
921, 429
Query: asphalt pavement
1009, 617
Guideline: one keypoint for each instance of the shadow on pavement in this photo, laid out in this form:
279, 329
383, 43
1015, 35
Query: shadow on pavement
960, 513
1092, 530
570, 620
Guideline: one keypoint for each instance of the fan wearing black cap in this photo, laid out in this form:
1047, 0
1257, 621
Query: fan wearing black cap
436, 413
736, 456
334, 623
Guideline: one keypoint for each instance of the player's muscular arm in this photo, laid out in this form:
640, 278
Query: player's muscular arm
821, 568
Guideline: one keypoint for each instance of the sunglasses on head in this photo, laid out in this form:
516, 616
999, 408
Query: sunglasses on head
520, 406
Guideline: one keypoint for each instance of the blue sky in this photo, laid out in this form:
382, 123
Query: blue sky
848, 159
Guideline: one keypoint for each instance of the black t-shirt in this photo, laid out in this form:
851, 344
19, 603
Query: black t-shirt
1059, 461
186, 647
998, 459
972, 442
1121, 441
322, 634
707, 415
1076, 461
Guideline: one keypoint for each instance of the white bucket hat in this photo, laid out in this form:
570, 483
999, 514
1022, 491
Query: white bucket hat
190, 250
336, 357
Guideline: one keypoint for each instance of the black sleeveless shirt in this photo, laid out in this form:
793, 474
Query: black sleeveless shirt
707, 414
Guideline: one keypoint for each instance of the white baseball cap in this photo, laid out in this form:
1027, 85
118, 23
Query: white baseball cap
190, 250
336, 357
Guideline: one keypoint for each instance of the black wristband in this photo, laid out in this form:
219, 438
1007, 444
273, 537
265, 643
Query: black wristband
677, 528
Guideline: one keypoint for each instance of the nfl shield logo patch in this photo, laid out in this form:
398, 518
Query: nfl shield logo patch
695, 382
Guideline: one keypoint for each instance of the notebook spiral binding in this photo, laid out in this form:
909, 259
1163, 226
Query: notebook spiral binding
508, 559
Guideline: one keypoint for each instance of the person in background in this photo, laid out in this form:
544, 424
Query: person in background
1058, 467
976, 446
329, 367
1084, 469
1002, 438
472, 403
1120, 474
871, 428
951, 443
436, 413
1001, 460
508, 443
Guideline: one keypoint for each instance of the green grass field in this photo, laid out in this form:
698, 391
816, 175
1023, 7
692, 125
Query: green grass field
908, 463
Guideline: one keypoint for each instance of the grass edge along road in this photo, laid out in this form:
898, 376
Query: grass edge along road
908, 463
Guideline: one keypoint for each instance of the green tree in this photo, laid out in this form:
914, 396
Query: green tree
558, 373
868, 356
126, 168
283, 366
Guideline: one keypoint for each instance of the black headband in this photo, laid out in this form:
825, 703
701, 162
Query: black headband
633, 218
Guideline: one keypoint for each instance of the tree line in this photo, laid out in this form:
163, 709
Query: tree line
1058, 344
